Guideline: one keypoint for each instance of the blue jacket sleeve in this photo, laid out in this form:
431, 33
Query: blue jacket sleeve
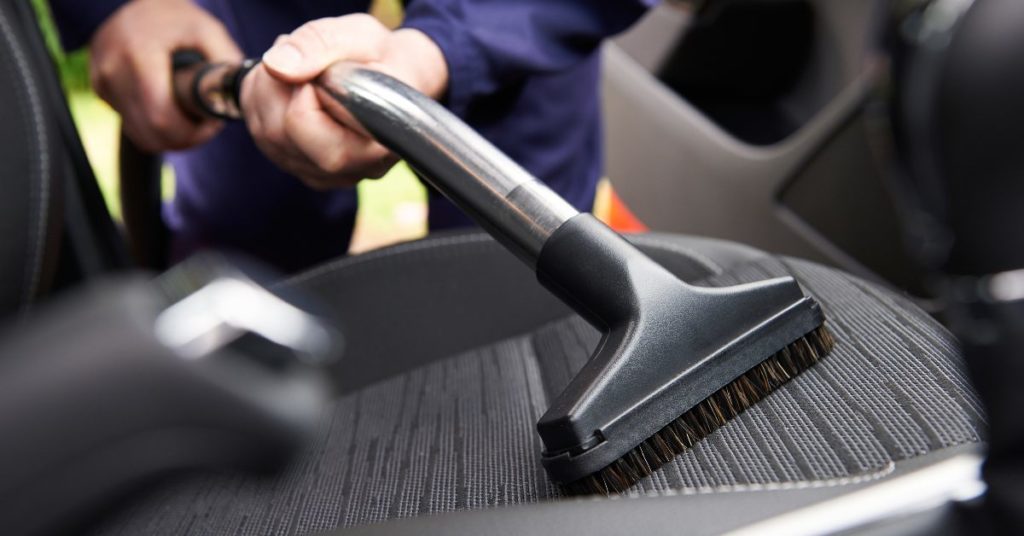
78, 19
489, 44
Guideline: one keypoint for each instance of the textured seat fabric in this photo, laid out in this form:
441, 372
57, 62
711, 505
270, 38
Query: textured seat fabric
55, 230
29, 164
456, 432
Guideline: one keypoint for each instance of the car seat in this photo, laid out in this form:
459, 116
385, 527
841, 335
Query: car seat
55, 226
452, 350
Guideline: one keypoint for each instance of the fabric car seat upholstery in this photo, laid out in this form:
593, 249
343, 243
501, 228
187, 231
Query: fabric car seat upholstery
454, 352
55, 230
30, 163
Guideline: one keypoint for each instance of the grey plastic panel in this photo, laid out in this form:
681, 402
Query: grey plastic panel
680, 172
651, 39
844, 195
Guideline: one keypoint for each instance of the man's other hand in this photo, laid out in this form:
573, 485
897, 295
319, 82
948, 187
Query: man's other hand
131, 68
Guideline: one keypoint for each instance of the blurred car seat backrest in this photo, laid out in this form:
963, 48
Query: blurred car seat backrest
54, 226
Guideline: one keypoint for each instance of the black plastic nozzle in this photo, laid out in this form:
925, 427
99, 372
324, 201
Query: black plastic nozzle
667, 345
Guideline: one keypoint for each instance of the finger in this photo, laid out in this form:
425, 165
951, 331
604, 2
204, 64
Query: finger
315, 178
138, 120
335, 149
315, 45
265, 103
150, 116
322, 140
173, 127
206, 132
271, 103
152, 106
143, 138
338, 111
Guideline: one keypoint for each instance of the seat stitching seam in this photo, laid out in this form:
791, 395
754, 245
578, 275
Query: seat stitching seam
42, 163
410, 247
349, 262
862, 478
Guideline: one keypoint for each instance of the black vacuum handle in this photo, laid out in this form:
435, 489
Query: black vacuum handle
205, 90
516, 208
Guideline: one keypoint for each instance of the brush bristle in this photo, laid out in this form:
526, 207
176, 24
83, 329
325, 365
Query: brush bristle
709, 415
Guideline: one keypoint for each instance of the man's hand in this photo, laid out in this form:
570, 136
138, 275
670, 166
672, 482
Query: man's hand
131, 68
284, 114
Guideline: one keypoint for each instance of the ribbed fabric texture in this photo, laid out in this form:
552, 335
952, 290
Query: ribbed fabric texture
460, 433
893, 388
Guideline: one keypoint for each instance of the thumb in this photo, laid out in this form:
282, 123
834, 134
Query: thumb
302, 55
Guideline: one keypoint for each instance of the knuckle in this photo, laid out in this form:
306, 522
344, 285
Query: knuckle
320, 185
271, 137
254, 125
291, 129
376, 172
161, 122
293, 121
382, 167
206, 132
139, 140
176, 140
314, 182
99, 85
204, 24
368, 22
264, 148
101, 67
316, 35
362, 19
332, 161
102, 72
157, 102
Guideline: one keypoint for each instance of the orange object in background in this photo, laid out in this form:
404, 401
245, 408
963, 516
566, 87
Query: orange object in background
609, 208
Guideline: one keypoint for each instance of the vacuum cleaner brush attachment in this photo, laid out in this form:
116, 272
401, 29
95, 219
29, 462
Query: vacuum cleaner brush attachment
676, 361
706, 417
